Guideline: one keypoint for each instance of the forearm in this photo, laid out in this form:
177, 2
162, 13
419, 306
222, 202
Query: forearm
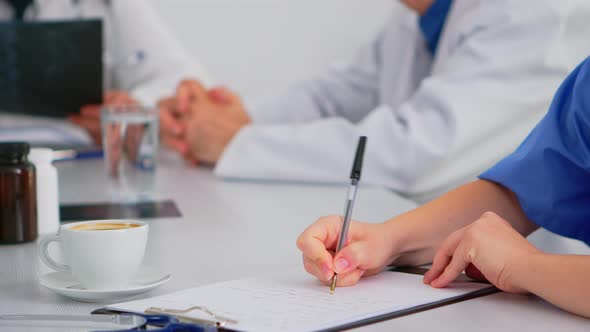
295, 105
420, 232
559, 279
322, 150
325, 96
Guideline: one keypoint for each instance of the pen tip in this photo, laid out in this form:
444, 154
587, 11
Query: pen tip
333, 286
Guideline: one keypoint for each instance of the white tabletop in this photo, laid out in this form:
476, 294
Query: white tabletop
236, 229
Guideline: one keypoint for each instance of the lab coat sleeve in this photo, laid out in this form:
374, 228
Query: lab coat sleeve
347, 89
322, 151
136, 27
504, 65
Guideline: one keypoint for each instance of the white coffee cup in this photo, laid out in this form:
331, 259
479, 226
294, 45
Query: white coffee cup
101, 255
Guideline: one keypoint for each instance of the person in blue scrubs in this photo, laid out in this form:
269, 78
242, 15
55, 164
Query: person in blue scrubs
480, 227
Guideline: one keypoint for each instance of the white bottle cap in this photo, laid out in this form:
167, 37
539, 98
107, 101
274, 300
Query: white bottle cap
41, 156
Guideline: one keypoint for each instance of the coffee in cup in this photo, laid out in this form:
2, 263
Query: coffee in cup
101, 255
107, 226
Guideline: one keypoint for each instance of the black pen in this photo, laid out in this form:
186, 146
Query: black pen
355, 177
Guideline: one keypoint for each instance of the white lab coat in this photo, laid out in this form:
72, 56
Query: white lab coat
431, 122
129, 26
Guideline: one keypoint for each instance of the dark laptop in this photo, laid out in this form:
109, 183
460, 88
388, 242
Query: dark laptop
50, 68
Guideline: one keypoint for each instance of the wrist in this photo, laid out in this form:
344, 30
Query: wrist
526, 269
405, 244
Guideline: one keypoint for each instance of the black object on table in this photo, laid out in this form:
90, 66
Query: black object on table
99, 211
50, 68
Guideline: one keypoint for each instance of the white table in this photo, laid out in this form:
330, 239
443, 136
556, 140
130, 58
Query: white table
236, 229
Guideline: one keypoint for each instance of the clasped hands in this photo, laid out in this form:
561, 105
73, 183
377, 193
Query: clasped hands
199, 123
196, 122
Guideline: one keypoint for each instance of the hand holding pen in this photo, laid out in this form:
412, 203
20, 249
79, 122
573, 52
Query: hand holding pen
366, 252
355, 177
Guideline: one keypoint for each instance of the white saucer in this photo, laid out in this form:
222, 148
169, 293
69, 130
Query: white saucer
64, 284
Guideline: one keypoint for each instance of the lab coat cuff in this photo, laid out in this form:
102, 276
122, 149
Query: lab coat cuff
231, 155
265, 110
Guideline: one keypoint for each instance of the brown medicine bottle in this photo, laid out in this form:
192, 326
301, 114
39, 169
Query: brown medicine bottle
18, 198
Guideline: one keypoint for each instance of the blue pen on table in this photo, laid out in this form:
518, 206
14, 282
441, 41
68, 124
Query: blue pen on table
166, 323
75, 154
355, 177
121, 322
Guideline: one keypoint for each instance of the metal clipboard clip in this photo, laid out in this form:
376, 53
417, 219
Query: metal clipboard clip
217, 320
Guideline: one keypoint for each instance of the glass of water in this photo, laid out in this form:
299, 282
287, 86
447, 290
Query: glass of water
130, 145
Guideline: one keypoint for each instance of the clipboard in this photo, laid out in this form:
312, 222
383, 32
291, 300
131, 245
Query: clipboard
414, 310
364, 322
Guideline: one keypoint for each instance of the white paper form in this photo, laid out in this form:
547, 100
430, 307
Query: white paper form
302, 303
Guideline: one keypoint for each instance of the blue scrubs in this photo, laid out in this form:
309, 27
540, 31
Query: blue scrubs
433, 21
550, 171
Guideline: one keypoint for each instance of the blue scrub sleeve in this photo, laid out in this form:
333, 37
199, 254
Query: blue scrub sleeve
550, 171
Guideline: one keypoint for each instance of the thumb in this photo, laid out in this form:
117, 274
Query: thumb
223, 95
186, 91
353, 256
219, 95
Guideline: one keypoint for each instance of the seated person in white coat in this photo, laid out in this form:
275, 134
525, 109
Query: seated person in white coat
431, 92
143, 63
